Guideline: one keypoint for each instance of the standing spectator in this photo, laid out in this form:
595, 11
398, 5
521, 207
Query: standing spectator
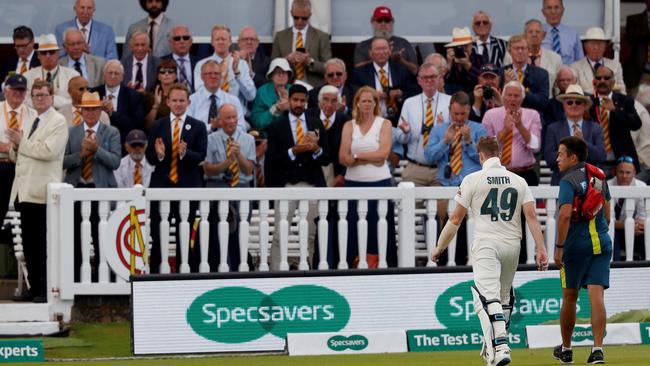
365, 144
464, 63
595, 44
560, 38
487, 93
180, 41
176, 148
575, 105
335, 75
87, 65
72, 112
154, 101
134, 168
99, 38
440, 62
37, 149
156, 25
637, 36
140, 65
305, 47
533, 78
490, 48
272, 99
250, 51
641, 137
382, 25
24, 58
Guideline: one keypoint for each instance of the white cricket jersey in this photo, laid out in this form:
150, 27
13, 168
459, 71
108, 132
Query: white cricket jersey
495, 197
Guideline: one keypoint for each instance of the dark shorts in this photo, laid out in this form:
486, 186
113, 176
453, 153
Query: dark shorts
581, 270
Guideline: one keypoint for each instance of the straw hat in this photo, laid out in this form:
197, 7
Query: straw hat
90, 100
460, 37
595, 34
574, 92
47, 42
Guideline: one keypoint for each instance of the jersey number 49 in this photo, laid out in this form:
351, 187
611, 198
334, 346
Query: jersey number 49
502, 205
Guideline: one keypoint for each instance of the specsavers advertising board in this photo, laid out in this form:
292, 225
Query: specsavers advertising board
256, 313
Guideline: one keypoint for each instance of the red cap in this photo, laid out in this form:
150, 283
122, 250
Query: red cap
382, 12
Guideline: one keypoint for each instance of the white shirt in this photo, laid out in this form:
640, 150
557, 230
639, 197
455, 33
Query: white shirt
88, 28
639, 204
115, 92
304, 36
144, 70
23, 114
200, 107
20, 62
489, 188
124, 175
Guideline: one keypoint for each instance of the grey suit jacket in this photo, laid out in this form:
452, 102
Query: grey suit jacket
152, 63
94, 68
585, 74
106, 158
161, 43
317, 45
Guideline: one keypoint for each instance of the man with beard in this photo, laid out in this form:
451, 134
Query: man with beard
157, 25
134, 168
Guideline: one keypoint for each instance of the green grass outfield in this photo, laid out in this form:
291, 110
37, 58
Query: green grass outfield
102, 341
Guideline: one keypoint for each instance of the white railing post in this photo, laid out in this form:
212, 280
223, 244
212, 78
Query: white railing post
60, 254
323, 234
431, 230
86, 239
343, 234
382, 233
629, 229
264, 235
303, 234
284, 234
406, 236
204, 236
362, 233
184, 236
103, 270
224, 232
243, 236
164, 237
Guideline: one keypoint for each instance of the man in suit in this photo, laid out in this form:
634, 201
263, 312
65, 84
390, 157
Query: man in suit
122, 104
490, 48
617, 116
37, 149
533, 78
89, 66
24, 58
336, 76
99, 37
180, 41
305, 47
140, 65
249, 51
72, 112
554, 109
156, 25
464, 63
595, 43
561, 39
637, 36
92, 153
575, 103
176, 148
296, 153
393, 82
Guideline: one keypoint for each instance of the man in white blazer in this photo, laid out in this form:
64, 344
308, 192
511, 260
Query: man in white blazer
89, 66
157, 25
37, 149
595, 43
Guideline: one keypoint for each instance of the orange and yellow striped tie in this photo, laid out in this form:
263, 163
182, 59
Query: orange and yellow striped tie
457, 153
176, 135
23, 67
326, 123
300, 68
13, 120
87, 170
520, 75
259, 175
428, 123
385, 84
225, 86
300, 134
233, 168
137, 174
604, 120
506, 153
77, 117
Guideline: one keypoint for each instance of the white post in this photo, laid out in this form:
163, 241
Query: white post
431, 231
323, 234
104, 273
224, 232
629, 229
243, 236
406, 236
86, 239
362, 233
164, 237
343, 234
184, 236
382, 232
284, 234
264, 235
204, 235
303, 234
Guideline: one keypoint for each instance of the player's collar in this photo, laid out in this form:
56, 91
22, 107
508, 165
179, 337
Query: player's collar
492, 162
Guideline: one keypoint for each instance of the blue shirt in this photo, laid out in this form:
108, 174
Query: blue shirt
82, 62
241, 86
200, 107
217, 145
570, 44
570, 123
438, 152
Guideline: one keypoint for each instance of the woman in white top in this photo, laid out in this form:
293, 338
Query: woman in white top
365, 144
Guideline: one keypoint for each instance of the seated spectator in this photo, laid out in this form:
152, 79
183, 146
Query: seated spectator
99, 38
254, 55
490, 48
134, 168
87, 65
77, 86
335, 75
554, 109
595, 44
487, 93
154, 102
464, 63
625, 176
272, 99
561, 39
140, 65
24, 59
641, 137
533, 78
180, 41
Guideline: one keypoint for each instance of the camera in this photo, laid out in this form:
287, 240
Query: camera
301, 49
488, 93
459, 51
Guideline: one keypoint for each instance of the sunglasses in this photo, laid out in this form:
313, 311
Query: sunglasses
599, 78
383, 20
136, 144
481, 22
304, 19
626, 159
48, 53
332, 74
184, 38
167, 71
572, 102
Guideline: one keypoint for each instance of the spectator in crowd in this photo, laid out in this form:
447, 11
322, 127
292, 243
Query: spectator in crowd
87, 65
575, 104
140, 65
122, 104
616, 114
16, 115
641, 137
236, 77
24, 58
464, 63
637, 36
156, 25
626, 176
91, 155
166, 72
554, 109
487, 93
533, 78
72, 112
335, 75
305, 47
382, 25
250, 51
595, 43
206, 102
177, 146
229, 163
134, 168
297, 151
392, 81
365, 144
440, 62
490, 48
37, 149
560, 38
180, 41
51, 71
261, 144
272, 99
98, 37
518, 130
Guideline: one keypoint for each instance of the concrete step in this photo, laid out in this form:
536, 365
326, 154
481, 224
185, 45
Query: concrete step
24, 312
28, 328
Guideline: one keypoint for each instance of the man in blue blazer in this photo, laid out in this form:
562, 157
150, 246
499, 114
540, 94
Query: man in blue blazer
177, 145
575, 104
100, 38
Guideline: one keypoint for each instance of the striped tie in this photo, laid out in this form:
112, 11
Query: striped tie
555, 38
457, 154
13, 120
77, 117
300, 134
226, 85
259, 175
233, 168
300, 68
23, 68
604, 121
506, 153
428, 123
137, 174
520, 75
87, 171
326, 123
173, 169
385, 84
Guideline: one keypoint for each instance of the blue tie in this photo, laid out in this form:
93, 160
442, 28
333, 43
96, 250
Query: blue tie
555, 34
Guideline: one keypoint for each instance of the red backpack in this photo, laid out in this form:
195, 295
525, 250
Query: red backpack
592, 202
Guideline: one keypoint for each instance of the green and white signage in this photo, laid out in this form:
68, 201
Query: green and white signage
21, 350
300, 344
428, 340
543, 336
